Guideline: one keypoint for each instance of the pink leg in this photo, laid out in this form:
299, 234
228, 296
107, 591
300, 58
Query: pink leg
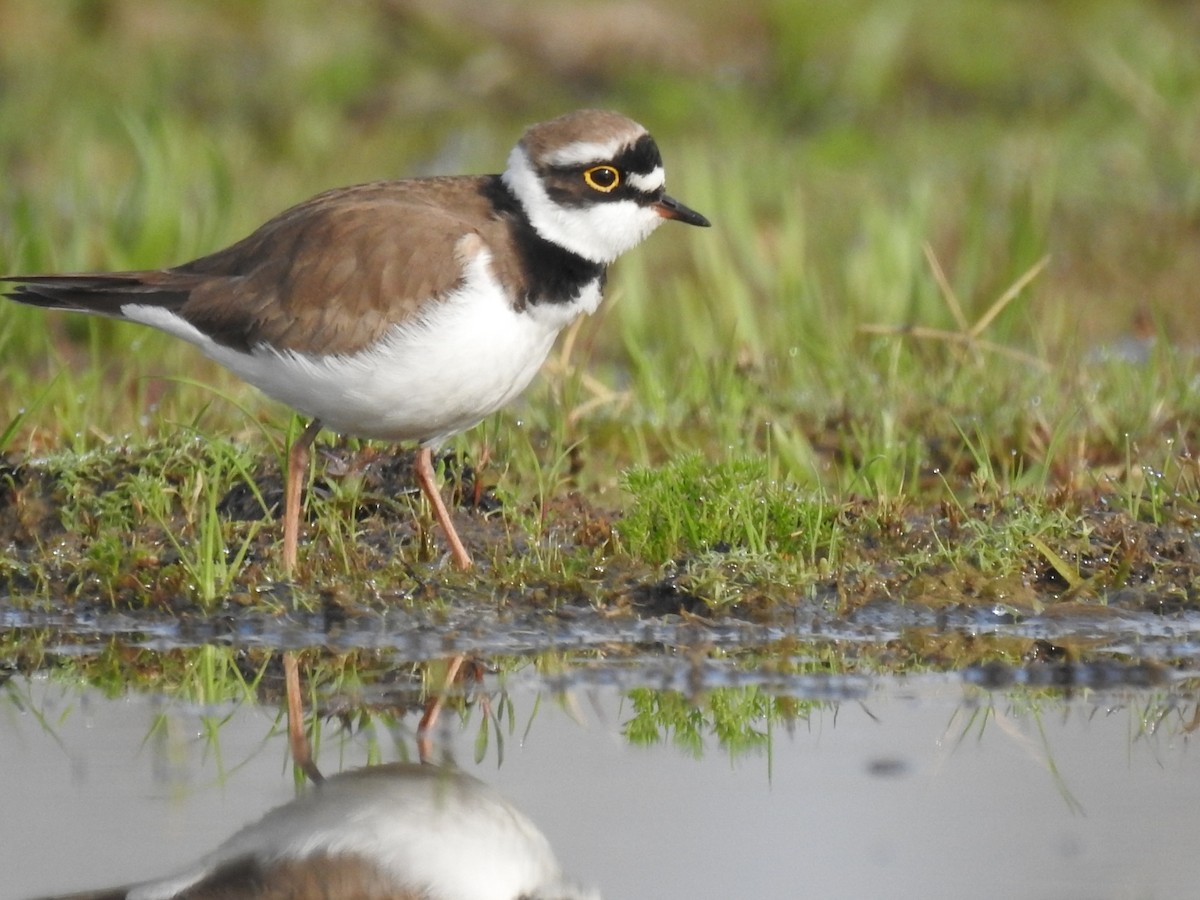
296, 473
433, 709
297, 738
424, 470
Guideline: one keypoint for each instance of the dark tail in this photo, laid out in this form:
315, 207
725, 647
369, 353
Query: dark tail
102, 294
112, 894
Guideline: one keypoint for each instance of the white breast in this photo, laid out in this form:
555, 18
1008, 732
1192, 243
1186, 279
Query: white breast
442, 832
466, 357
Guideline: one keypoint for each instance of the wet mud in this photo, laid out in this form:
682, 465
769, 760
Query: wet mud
1129, 597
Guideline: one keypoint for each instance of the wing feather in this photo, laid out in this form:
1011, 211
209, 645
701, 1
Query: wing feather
328, 276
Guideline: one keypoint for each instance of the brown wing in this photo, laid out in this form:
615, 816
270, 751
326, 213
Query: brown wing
327, 276
317, 876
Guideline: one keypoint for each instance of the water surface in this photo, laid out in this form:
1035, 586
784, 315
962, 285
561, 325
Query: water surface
926, 786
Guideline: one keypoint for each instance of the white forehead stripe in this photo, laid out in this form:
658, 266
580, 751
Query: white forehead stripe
581, 152
647, 184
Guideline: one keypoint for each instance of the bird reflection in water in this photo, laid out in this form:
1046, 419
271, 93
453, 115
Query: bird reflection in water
403, 831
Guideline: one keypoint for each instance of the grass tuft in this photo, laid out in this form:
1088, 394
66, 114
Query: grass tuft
690, 506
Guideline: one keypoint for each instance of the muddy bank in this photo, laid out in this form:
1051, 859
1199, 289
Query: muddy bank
370, 554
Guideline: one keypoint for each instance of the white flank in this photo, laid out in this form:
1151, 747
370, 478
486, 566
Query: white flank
435, 831
464, 358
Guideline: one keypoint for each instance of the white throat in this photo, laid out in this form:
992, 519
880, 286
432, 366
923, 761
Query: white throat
600, 232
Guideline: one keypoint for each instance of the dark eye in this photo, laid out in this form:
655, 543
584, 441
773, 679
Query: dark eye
602, 178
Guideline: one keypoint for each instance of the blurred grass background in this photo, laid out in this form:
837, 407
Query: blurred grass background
837, 147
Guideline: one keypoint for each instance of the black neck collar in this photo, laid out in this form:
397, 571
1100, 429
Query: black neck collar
553, 274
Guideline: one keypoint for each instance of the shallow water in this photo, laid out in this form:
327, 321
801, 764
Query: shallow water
925, 786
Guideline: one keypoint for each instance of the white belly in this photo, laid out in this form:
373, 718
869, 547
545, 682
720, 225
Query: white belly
425, 380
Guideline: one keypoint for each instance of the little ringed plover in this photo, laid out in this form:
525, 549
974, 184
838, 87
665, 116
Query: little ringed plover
406, 310
391, 832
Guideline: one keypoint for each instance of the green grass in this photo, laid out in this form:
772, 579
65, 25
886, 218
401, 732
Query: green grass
692, 506
945, 311
373, 699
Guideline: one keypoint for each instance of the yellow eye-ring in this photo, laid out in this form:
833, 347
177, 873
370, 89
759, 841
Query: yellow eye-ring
602, 178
